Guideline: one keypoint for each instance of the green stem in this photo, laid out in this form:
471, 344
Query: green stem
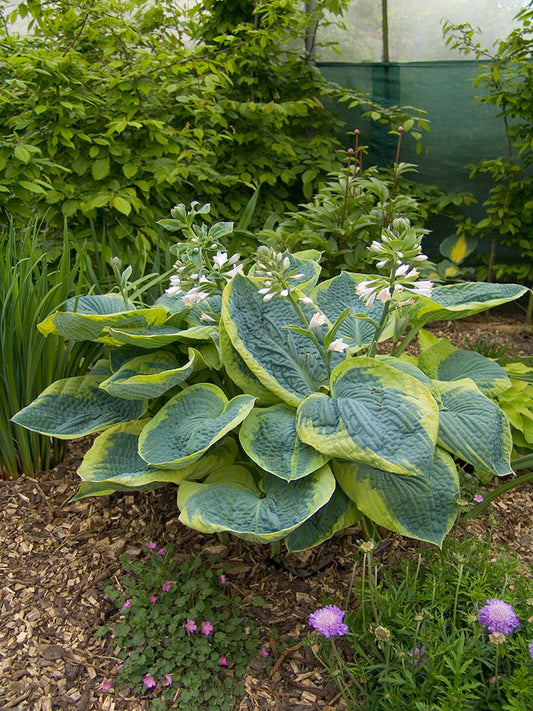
345, 691
398, 350
275, 549
322, 351
371, 352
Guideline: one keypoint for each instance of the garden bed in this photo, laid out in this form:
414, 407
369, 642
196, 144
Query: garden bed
55, 557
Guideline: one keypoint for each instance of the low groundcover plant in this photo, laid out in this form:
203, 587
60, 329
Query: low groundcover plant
428, 634
260, 393
180, 637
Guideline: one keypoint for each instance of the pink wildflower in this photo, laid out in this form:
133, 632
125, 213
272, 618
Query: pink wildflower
207, 628
149, 681
264, 653
168, 679
190, 626
153, 598
151, 545
478, 498
126, 604
222, 578
166, 586
161, 551
106, 686
223, 662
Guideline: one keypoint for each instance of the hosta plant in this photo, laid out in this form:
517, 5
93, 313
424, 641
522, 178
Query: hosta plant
263, 396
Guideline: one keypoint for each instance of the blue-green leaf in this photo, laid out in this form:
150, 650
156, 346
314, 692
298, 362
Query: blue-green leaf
75, 407
473, 427
376, 414
148, 376
411, 506
230, 500
190, 423
268, 436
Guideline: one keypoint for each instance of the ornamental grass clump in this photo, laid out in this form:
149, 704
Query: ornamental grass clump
173, 631
258, 391
424, 633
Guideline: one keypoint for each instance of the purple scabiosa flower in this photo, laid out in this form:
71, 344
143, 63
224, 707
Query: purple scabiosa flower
126, 604
478, 499
166, 586
418, 657
530, 647
151, 545
168, 679
106, 686
149, 681
329, 621
190, 626
207, 628
498, 616
223, 662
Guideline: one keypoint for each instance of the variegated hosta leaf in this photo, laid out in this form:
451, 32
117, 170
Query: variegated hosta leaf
443, 361
339, 513
406, 366
376, 414
87, 316
207, 355
190, 423
113, 464
335, 295
454, 301
75, 407
411, 506
155, 336
148, 376
473, 427
240, 373
286, 362
230, 500
268, 436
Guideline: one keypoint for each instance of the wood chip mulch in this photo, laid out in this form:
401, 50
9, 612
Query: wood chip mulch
55, 557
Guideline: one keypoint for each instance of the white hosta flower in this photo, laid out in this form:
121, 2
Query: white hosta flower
204, 280
220, 259
194, 296
174, 290
402, 269
376, 246
284, 292
286, 263
207, 317
422, 288
420, 258
234, 258
237, 269
412, 274
269, 296
381, 264
306, 299
338, 345
317, 319
264, 290
384, 294
298, 276
365, 289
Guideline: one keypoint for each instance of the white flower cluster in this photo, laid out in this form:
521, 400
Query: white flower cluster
277, 272
397, 254
198, 285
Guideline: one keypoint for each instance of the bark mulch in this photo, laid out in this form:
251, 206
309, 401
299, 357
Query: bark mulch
55, 557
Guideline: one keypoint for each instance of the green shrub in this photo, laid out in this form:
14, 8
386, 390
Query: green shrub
112, 113
242, 390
